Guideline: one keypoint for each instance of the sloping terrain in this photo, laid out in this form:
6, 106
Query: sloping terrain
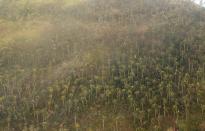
102, 65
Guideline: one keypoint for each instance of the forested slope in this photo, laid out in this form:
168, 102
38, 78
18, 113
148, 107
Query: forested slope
110, 65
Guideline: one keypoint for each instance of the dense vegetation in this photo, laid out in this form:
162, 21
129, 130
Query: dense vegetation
102, 65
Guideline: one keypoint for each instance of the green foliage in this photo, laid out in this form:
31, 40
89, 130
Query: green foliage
140, 63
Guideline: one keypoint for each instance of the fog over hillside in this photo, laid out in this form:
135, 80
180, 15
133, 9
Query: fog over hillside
102, 65
200, 2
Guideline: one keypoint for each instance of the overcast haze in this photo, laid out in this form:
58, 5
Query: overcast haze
102, 65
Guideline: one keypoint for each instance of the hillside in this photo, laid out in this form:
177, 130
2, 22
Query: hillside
102, 65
